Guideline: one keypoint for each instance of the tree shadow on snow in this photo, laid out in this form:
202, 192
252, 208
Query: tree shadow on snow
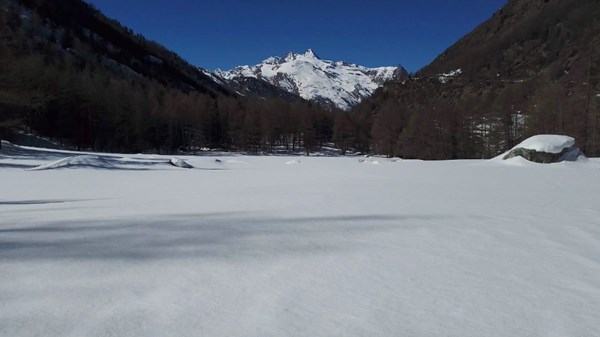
200, 235
16, 166
33, 202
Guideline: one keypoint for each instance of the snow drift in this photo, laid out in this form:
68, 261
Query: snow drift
104, 162
83, 161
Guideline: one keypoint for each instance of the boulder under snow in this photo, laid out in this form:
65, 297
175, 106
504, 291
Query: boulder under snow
547, 149
180, 163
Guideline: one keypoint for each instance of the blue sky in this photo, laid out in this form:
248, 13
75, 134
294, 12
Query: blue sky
226, 33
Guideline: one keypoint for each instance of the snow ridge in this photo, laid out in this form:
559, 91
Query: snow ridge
338, 84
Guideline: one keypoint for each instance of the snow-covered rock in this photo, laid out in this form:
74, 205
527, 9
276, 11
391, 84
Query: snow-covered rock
547, 143
547, 149
334, 83
177, 162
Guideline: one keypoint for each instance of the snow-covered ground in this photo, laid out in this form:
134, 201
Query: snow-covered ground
279, 246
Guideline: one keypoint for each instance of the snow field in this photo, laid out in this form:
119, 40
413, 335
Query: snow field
262, 246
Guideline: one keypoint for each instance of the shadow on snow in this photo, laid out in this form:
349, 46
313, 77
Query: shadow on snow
200, 235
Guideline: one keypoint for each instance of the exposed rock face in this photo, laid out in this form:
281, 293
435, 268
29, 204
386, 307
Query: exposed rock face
539, 157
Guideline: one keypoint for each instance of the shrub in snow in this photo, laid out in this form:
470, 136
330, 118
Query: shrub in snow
547, 149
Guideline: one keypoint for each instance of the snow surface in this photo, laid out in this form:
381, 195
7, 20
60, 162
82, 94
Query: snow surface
250, 246
547, 143
312, 78
294, 162
445, 77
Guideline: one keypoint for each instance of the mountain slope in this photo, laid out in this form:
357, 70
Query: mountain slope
533, 67
81, 80
338, 84
525, 39
253, 87
118, 45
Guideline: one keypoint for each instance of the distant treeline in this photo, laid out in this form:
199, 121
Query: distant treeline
465, 118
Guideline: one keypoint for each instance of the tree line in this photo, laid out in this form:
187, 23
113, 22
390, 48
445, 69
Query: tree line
482, 118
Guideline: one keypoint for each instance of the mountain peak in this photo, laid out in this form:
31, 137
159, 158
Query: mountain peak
290, 56
272, 60
310, 54
338, 84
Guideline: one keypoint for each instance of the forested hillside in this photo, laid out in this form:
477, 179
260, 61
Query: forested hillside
69, 73
533, 68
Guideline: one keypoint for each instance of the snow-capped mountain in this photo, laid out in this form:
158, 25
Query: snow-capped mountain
338, 84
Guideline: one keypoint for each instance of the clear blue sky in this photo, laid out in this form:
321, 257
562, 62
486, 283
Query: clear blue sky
226, 33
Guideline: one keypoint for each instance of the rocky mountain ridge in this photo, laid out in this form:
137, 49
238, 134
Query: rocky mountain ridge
338, 84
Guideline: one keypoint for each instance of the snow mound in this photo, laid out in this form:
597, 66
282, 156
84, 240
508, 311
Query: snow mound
294, 162
517, 161
369, 161
83, 161
180, 163
547, 143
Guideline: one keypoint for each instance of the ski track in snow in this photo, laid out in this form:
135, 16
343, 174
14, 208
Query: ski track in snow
255, 246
